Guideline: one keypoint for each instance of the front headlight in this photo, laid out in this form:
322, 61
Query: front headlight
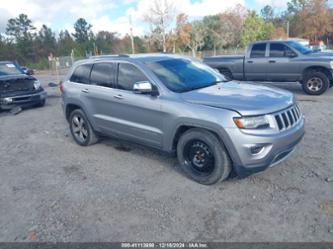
36, 84
258, 122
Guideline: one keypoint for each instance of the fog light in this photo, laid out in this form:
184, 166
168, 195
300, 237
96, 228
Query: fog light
7, 100
256, 149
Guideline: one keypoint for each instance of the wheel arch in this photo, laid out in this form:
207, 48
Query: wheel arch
221, 135
70, 108
225, 70
318, 69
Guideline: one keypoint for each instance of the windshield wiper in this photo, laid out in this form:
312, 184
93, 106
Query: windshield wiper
204, 86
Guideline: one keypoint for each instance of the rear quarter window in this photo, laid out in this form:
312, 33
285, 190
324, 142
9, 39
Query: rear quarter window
81, 74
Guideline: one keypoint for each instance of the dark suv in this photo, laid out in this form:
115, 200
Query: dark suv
177, 104
19, 89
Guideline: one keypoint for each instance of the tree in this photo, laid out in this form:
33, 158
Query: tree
65, 43
267, 13
159, 17
197, 33
232, 25
104, 41
294, 7
255, 29
45, 41
314, 19
82, 29
213, 38
183, 31
21, 29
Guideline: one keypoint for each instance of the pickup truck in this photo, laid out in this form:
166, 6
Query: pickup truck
279, 61
19, 89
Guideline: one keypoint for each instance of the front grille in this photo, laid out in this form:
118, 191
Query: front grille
288, 118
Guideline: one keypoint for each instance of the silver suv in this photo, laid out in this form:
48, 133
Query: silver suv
177, 104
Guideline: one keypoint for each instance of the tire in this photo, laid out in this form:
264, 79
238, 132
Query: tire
203, 157
226, 73
315, 83
81, 130
41, 103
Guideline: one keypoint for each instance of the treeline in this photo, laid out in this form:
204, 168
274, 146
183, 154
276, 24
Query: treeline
234, 28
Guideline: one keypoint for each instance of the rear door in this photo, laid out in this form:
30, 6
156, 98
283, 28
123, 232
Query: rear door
135, 116
79, 87
256, 62
282, 65
99, 95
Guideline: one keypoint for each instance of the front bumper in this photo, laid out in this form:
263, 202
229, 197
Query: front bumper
23, 100
276, 148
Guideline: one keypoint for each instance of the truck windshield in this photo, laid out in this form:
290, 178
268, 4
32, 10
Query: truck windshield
182, 75
299, 47
9, 69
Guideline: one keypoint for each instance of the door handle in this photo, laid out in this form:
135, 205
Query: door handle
85, 90
250, 62
272, 61
119, 96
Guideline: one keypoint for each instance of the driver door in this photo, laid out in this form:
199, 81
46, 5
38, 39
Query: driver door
136, 116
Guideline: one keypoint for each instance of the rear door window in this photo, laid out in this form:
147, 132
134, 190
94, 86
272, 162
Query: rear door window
102, 74
258, 50
81, 74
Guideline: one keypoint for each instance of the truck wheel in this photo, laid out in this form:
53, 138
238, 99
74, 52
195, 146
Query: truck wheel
226, 73
315, 83
81, 129
202, 157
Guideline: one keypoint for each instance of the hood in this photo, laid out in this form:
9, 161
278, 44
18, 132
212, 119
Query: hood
244, 98
324, 55
16, 77
16, 83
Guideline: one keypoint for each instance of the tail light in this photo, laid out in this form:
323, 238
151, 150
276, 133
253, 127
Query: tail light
61, 87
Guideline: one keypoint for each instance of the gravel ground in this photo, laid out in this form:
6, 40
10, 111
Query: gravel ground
55, 190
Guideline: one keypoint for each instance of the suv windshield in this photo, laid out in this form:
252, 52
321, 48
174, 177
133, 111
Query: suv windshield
9, 69
181, 75
299, 47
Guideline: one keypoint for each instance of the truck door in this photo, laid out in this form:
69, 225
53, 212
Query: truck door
281, 63
255, 64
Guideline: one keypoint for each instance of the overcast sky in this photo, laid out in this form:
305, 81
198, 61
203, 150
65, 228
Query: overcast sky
112, 15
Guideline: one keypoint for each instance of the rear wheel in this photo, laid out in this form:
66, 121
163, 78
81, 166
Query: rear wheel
81, 129
202, 157
226, 73
315, 83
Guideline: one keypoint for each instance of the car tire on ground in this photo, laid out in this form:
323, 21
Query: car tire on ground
41, 103
81, 130
203, 157
315, 83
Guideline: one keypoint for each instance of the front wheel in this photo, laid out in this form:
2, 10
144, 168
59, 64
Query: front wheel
315, 83
202, 157
81, 129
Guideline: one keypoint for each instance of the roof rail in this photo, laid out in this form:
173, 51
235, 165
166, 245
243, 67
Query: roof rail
108, 56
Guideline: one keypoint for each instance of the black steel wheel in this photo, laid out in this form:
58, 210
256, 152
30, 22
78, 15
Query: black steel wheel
203, 157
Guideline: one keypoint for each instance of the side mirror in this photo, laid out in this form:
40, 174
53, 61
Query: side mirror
143, 87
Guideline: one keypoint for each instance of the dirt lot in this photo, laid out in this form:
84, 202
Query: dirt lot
54, 190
